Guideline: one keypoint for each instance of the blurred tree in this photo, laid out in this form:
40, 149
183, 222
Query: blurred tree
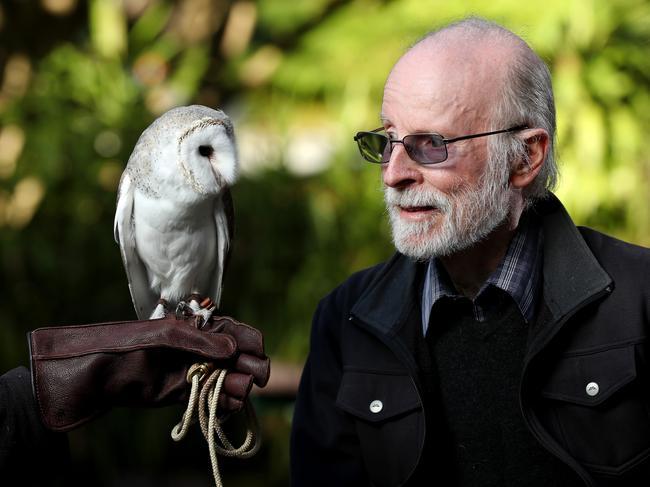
79, 81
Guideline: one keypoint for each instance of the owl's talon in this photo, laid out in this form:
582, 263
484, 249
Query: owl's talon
203, 316
194, 304
183, 310
202, 312
161, 310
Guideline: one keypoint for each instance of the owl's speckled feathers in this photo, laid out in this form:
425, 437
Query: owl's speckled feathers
174, 218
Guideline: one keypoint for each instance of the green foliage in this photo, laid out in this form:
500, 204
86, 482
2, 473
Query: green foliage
75, 96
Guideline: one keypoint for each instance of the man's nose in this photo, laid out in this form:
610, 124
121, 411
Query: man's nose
400, 170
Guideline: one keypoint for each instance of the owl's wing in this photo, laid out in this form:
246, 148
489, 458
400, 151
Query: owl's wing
144, 299
224, 218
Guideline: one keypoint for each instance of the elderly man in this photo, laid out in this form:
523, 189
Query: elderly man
501, 345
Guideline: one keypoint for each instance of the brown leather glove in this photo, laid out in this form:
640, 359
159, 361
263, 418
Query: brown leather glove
251, 366
79, 372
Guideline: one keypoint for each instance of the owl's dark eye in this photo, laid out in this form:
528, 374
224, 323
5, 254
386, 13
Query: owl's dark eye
206, 150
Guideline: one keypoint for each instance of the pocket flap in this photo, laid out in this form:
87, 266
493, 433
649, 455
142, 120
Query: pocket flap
590, 379
377, 396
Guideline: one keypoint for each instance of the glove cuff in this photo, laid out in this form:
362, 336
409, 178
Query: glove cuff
79, 372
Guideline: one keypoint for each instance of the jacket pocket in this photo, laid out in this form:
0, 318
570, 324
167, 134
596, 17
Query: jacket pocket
389, 420
599, 410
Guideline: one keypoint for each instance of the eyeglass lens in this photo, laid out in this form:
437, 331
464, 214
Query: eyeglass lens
373, 147
423, 148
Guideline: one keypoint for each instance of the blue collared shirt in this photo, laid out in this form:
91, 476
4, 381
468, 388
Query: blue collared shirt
518, 274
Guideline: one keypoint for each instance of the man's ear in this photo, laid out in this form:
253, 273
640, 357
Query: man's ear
526, 169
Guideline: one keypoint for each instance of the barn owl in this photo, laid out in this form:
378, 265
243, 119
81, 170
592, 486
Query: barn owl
174, 215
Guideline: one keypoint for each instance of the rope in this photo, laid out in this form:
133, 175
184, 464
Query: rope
208, 399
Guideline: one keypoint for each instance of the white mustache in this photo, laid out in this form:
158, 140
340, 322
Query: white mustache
415, 197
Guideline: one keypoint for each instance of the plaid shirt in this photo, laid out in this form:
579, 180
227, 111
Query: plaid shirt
518, 274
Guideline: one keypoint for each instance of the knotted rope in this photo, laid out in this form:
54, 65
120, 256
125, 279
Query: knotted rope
207, 399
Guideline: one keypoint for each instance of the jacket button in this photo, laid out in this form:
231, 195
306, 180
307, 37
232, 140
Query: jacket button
592, 389
376, 406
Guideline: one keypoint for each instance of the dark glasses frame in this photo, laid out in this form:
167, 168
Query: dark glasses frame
438, 142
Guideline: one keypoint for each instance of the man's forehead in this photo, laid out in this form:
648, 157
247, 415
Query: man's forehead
462, 60
445, 73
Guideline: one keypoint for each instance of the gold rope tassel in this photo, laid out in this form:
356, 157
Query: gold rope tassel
207, 399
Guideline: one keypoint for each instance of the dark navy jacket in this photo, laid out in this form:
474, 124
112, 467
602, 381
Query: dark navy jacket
30, 455
592, 328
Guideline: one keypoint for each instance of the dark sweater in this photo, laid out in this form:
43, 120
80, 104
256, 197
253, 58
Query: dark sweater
482, 436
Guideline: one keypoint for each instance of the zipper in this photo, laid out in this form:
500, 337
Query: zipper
531, 419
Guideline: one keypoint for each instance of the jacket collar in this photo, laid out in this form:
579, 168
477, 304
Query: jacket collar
386, 302
571, 273
571, 276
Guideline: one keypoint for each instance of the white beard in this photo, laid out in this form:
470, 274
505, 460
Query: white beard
463, 218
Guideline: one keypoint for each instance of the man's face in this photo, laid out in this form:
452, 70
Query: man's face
440, 209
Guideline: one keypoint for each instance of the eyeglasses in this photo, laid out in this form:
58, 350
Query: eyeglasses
422, 148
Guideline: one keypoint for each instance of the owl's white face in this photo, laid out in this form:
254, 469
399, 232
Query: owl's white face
207, 156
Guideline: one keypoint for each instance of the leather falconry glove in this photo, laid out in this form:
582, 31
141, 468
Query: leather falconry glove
251, 365
80, 372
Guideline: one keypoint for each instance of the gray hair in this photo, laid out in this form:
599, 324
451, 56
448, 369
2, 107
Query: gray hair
526, 97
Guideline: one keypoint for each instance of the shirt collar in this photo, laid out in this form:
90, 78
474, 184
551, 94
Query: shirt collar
517, 274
